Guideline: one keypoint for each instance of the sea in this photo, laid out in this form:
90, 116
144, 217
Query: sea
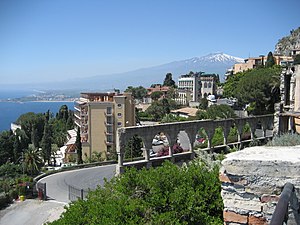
11, 111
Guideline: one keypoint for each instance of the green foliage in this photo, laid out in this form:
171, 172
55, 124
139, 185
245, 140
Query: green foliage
158, 109
137, 92
10, 170
231, 83
286, 139
216, 112
169, 118
78, 146
270, 60
203, 104
169, 81
46, 142
156, 95
6, 146
32, 160
30, 121
134, 147
165, 195
257, 87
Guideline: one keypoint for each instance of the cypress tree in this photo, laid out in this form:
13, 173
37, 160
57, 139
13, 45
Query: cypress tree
46, 142
270, 60
78, 147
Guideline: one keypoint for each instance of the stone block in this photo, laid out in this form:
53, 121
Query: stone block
253, 220
269, 198
235, 217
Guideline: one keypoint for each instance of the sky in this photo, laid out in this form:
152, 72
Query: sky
55, 40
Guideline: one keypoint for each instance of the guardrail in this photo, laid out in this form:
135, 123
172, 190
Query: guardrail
77, 193
287, 198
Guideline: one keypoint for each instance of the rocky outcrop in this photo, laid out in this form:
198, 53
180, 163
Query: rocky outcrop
288, 43
252, 181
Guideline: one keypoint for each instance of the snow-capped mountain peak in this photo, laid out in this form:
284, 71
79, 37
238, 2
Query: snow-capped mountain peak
217, 57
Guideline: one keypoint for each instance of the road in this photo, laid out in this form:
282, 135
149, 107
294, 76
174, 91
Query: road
89, 178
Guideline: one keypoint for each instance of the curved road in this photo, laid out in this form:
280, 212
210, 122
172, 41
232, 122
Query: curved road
88, 178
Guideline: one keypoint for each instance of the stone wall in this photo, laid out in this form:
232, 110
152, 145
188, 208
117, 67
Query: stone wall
252, 180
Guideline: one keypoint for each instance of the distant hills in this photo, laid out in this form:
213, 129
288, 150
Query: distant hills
216, 63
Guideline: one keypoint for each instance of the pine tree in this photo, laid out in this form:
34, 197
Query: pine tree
78, 147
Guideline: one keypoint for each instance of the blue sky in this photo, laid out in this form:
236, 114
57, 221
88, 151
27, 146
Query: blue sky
52, 40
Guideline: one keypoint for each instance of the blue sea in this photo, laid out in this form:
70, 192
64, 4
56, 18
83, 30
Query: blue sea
10, 111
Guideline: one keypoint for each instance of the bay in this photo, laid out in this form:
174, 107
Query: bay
10, 111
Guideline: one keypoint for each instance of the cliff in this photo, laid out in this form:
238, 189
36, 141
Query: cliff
286, 44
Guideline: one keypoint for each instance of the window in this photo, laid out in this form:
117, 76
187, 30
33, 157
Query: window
119, 105
119, 124
119, 114
205, 85
209, 85
109, 120
109, 138
109, 110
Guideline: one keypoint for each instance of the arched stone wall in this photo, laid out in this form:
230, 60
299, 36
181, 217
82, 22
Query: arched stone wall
171, 131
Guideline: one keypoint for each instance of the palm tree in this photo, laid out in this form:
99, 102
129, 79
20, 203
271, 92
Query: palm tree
32, 160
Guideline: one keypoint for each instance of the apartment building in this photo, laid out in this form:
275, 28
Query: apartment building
99, 115
254, 62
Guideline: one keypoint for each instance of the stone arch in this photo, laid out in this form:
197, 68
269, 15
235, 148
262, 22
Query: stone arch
134, 147
160, 144
233, 133
201, 138
218, 137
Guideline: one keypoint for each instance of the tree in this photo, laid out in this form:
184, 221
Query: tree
46, 143
270, 60
7, 139
203, 103
156, 95
35, 137
134, 147
169, 81
32, 160
216, 112
137, 92
79, 146
259, 88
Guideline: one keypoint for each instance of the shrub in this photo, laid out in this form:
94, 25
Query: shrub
286, 139
164, 195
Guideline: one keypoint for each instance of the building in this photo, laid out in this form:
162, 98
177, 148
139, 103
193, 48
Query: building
194, 86
99, 115
255, 62
287, 112
156, 88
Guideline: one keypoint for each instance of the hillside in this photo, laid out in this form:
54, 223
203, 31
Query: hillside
286, 44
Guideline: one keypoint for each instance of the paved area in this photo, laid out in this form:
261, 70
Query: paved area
31, 212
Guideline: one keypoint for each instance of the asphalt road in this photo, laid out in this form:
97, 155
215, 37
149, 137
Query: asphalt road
89, 178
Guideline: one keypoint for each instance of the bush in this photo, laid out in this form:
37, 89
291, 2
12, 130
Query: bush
165, 195
285, 140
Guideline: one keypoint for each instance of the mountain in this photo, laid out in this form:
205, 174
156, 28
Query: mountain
216, 63
288, 43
